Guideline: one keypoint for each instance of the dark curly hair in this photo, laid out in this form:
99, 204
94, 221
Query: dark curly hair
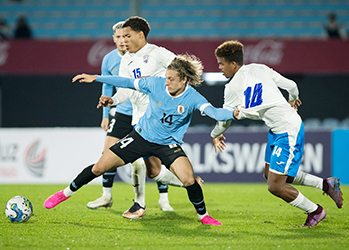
231, 51
137, 24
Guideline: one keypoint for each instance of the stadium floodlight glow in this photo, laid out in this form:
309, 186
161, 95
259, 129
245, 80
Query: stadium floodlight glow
213, 78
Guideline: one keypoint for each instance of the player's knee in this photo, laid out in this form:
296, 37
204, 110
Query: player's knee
98, 170
188, 182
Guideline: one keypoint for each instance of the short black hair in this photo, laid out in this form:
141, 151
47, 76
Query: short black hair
137, 24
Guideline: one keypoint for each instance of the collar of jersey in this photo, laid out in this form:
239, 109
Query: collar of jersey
186, 88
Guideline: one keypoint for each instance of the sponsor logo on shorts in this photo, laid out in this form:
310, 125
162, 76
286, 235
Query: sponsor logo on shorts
177, 150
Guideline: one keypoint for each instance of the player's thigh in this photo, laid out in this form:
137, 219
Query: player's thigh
109, 141
108, 161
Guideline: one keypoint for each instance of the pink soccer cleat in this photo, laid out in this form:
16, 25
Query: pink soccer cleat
55, 199
208, 220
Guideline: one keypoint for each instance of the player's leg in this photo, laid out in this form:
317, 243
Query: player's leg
138, 209
107, 161
184, 170
119, 126
164, 203
284, 161
106, 200
330, 186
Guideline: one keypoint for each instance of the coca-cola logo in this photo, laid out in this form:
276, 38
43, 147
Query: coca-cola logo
266, 51
4, 47
98, 51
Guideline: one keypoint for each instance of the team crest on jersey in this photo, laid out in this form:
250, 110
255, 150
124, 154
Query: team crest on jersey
145, 58
180, 109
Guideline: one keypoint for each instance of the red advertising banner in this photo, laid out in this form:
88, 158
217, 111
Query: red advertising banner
71, 57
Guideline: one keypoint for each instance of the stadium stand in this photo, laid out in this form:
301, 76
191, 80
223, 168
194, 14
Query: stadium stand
194, 19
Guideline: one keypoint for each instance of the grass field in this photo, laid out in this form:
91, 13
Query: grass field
252, 219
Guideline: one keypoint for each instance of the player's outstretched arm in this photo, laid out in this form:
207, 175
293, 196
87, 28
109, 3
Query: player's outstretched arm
85, 78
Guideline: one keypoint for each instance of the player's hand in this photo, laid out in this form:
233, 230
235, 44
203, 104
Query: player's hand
105, 124
84, 78
237, 112
105, 101
295, 104
219, 143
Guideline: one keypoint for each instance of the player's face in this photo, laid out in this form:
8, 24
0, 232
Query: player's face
134, 40
228, 68
174, 85
119, 41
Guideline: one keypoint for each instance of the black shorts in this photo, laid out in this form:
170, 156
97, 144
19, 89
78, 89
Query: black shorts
119, 125
134, 146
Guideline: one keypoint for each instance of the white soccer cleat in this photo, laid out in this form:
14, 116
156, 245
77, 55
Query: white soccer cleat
165, 205
100, 202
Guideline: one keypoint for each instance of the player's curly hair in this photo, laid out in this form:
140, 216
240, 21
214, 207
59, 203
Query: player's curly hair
231, 51
137, 24
188, 66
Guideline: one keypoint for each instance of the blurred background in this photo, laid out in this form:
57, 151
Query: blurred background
44, 43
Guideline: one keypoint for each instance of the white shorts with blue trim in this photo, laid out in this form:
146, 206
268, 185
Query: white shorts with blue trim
284, 152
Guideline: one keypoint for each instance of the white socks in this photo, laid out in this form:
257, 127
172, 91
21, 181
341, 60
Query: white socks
167, 177
309, 180
107, 192
201, 216
138, 176
67, 192
303, 203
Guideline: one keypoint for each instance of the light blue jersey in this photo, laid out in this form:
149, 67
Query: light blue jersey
111, 66
167, 118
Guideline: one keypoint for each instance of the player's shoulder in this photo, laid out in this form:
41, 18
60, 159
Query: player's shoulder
113, 53
160, 50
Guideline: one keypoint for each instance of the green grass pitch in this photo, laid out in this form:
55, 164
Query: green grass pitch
252, 219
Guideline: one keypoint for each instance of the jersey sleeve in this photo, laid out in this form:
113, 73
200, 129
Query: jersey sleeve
106, 89
218, 114
286, 84
147, 85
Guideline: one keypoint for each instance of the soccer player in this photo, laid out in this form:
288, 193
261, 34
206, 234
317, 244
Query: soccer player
119, 126
142, 59
253, 92
159, 132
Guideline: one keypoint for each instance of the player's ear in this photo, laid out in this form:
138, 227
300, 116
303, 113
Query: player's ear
141, 35
185, 79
